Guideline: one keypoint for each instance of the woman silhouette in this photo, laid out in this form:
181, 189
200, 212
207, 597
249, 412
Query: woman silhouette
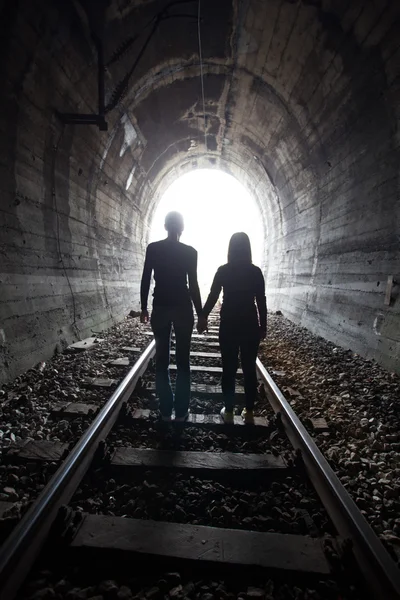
241, 327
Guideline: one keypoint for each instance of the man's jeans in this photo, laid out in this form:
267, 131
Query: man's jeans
162, 320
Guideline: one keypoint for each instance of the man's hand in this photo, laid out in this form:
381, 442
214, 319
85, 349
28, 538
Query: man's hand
144, 316
202, 324
263, 333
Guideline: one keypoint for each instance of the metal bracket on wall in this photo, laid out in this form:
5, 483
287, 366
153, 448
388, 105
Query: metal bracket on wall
87, 119
82, 119
389, 286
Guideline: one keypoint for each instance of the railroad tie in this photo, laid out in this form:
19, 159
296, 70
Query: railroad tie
202, 343
205, 369
203, 389
43, 450
73, 409
84, 345
201, 354
197, 462
195, 419
5, 507
37, 450
182, 542
196, 336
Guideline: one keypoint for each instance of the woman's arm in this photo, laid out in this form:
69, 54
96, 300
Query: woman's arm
193, 284
145, 284
261, 302
214, 293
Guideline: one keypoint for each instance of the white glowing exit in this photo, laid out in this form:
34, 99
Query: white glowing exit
214, 206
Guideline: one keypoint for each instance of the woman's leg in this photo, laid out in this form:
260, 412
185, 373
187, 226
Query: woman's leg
229, 353
161, 325
183, 326
248, 355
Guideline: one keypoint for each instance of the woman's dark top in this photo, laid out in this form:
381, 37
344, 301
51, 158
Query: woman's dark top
242, 283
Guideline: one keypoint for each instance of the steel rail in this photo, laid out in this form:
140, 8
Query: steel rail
22, 547
377, 567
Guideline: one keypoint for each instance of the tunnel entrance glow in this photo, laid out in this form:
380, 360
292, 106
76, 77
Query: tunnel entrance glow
214, 205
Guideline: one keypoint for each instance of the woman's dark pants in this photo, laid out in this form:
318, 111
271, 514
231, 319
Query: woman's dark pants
231, 343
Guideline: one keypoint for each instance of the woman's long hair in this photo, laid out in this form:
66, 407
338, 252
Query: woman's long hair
239, 250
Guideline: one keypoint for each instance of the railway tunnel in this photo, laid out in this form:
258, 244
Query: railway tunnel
105, 104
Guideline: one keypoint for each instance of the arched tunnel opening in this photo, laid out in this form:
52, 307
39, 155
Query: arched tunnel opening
214, 206
106, 103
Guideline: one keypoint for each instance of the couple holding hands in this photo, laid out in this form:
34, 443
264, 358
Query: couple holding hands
243, 317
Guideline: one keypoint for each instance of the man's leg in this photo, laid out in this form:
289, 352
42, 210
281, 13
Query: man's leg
161, 326
229, 353
183, 327
248, 355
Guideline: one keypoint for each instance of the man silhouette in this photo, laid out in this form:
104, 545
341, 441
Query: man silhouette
174, 264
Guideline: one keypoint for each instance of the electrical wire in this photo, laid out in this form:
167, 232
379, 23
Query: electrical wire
122, 87
201, 72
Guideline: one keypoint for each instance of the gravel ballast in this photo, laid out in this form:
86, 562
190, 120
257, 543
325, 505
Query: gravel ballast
26, 403
26, 408
360, 401
201, 438
358, 398
78, 583
288, 506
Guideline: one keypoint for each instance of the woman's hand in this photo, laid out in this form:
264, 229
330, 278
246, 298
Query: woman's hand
144, 316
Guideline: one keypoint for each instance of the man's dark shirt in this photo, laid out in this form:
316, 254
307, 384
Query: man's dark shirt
174, 264
242, 284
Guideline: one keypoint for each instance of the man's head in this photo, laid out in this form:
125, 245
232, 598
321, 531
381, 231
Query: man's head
174, 223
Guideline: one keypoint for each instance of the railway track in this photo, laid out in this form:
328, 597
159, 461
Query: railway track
307, 525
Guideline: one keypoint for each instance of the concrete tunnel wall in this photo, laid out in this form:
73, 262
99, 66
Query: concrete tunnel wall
302, 106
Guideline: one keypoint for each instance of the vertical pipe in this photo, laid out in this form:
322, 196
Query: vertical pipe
100, 66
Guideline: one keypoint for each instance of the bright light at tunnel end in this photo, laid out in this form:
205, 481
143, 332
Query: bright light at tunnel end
214, 206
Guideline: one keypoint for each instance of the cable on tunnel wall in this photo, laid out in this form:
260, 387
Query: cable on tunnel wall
201, 71
122, 87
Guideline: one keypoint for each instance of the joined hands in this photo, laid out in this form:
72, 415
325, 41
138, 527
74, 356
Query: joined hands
202, 324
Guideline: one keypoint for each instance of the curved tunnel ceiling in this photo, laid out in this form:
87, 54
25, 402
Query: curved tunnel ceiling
164, 101
283, 80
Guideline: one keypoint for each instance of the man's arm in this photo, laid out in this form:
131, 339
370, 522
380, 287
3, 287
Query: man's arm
214, 294
261, 303
145, 283
193, 284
